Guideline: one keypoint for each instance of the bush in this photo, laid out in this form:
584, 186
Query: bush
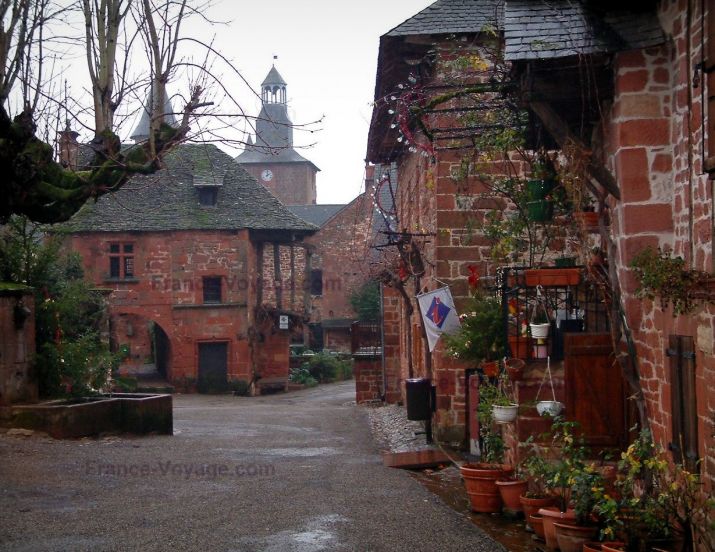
81, 366
302, 375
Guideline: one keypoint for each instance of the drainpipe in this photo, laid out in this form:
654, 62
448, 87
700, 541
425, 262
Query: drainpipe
382, 341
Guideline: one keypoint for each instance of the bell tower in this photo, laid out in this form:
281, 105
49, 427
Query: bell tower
270, 158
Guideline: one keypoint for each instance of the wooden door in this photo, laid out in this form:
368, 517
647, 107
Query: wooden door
595, 389
212, 367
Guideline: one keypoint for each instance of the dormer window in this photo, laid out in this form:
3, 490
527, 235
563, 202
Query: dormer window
208, 196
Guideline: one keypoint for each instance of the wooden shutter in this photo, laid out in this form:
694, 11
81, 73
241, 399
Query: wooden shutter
681, 353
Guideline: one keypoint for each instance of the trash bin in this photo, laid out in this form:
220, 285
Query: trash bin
419, 399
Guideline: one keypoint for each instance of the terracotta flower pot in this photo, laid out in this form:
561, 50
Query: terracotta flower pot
553, 515
536, 521
490, 369
591, 547
533, 505
480, 482
519, 346
552, 276
613, 547
510, 492
515, 366
571, 538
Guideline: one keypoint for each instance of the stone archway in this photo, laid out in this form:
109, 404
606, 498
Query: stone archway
144, 343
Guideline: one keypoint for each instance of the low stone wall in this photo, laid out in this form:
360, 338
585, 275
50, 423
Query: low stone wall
368, 378
136, 413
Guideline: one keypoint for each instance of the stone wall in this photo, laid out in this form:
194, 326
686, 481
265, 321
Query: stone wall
17, 346
655, 136
341, 251
368, 379
167, 289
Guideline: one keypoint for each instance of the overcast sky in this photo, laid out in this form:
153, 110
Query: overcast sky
327, 53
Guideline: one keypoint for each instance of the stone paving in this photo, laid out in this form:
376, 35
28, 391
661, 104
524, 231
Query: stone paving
291, 472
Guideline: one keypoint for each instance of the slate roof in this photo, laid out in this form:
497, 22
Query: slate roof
559, 28
274, 138
168, 199
316, 214
452, 16
273, 77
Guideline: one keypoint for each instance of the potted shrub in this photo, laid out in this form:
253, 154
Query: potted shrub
480, 339
480, 479
538, 470
658, 505
586, 490
568, 462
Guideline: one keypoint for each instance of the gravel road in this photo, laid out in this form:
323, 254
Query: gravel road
296, 472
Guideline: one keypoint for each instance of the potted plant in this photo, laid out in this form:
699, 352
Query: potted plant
511, 489
658, 505
504, 409
586, 490
538, 470
568, 462
480, 478
480, 339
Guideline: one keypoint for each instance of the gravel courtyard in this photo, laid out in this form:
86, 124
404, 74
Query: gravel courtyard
292, 472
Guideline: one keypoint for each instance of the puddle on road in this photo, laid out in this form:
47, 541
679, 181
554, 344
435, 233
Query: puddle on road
447, 484
316, 536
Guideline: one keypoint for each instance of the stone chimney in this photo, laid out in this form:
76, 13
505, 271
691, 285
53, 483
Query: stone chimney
69, 147
369, 176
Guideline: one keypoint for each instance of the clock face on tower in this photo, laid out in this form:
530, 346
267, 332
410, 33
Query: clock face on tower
267, 175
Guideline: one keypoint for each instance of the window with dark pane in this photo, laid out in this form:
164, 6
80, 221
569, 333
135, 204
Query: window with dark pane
212, 289
316, 282
121, 260
207, 196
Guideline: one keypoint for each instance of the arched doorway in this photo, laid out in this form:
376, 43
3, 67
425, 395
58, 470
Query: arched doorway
144, 344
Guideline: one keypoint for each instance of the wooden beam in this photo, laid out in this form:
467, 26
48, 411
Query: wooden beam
563, 135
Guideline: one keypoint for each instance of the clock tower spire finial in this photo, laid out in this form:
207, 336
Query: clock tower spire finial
273, 87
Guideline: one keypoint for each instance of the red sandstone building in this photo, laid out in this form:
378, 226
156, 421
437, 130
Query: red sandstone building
643, 108
198, 257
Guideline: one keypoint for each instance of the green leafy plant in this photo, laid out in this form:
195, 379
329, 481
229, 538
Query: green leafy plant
657, 499
492, 440
481, 336
301, 374
537, 467
666, 277
569, 462
366, 301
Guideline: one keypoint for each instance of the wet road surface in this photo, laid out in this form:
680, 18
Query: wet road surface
295, 472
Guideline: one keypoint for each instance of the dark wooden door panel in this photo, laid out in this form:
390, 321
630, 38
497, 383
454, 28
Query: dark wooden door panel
595, 391
213, 368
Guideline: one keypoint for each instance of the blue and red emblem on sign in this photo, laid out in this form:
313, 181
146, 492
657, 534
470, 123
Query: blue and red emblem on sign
437, 312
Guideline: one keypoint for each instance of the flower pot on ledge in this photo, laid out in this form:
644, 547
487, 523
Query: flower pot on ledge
552, 277
588, 220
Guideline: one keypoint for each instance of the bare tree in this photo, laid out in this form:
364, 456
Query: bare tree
38, 185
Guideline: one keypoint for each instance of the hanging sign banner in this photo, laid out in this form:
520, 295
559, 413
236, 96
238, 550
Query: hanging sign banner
438, 314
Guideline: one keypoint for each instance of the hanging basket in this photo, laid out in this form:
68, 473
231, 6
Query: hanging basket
505, 414
540, 331
551, 408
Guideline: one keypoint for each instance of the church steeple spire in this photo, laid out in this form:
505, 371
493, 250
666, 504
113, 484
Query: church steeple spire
273, 88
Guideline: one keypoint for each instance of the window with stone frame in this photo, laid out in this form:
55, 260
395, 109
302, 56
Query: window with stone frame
212, 289
121, 260
316, 282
